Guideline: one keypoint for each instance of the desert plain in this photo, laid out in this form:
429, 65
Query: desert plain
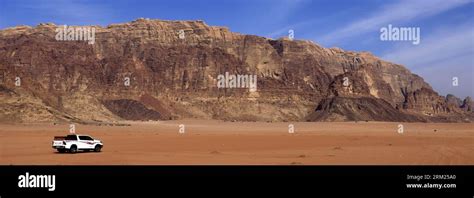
210, 142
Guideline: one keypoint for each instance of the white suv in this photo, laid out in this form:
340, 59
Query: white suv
74, 143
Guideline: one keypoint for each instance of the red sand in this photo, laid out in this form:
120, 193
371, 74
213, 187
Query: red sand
217, 142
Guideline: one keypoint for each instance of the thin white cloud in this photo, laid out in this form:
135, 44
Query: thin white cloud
305, 25
441, 45
440, 76
277, 11
446, 53
402, 11
70, 12
284, 30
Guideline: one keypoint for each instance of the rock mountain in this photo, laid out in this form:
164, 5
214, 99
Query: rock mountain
172, 69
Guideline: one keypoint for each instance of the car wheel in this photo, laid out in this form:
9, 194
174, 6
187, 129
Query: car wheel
73, 149
97, 148
61, 150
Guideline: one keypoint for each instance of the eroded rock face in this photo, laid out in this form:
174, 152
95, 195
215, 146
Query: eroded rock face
467, 104
131, 110
172, 76
359, 109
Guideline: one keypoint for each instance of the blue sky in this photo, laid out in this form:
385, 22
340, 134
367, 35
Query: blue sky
447, 26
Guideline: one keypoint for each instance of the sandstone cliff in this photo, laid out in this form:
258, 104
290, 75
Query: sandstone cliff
174, 77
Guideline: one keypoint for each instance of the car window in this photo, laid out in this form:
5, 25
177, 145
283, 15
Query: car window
71, 137
85, 138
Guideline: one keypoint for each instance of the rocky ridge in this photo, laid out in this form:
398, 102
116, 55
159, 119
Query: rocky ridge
174, 77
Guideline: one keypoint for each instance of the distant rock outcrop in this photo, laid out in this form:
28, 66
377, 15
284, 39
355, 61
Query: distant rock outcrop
467, 104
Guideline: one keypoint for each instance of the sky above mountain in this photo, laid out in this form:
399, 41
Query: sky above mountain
446, 27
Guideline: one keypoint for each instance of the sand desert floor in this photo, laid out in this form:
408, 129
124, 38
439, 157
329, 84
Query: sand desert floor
242, 143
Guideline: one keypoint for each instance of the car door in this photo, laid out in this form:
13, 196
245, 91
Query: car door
72, 139
86, 142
